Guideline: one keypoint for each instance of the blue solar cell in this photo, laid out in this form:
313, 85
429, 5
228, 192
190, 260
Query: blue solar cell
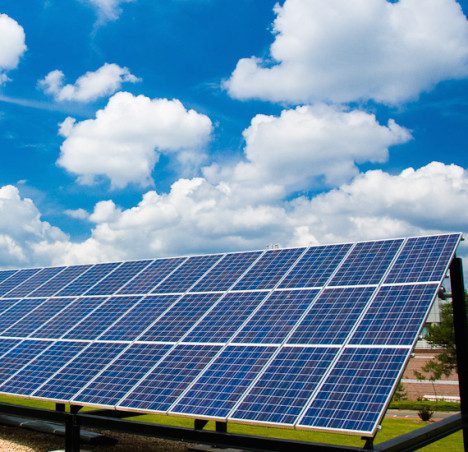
316, 266
7, 344
151, 276
102, 318
356, 391
17, 357
35, 319
41, 277
226, 273
18, 311
269, 269
5, 274
59, 281
122, 275
332, 317
423, 259
216, 392
18, 278
30, 377
276, 317
187, 274
130, 326
5, 305
88, 279
114, 382
68, 381
226, 317
285, 387
176, 322
68, 318
396, 315
164, 384
367, 263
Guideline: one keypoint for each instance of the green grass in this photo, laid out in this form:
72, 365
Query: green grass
417, 405
390, 428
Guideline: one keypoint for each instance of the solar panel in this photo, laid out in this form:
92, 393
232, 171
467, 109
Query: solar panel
310, 338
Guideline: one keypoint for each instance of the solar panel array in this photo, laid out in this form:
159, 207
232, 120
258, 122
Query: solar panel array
311, 338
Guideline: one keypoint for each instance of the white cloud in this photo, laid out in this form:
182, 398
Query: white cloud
108, 9
103, 82
78, 214
125, 139
342, 51
12, 45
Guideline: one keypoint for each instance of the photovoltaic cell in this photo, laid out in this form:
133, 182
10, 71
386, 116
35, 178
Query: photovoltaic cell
7, 344
216, 392
176, 322
151, 276
226, 273
35, 319
395, 315
354, 394
138, 319
111, 385
18, 278
17, 357
102, 318
226, 317
187, 274
332, 316
5, 274
315, 267
68, 381
80, 285
270, 268
161, 388
276, 317
18, 311
22, 290
28, 379
423, 259
118, 278
55, 328
367, 263
5, 305
284, 388
59, 281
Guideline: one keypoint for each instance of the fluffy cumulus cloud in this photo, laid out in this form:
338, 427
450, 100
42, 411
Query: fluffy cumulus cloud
22, 230
124, 140
103, 82
12, 45
108, 9
342, 51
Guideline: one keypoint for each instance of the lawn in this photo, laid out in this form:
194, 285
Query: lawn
390, 428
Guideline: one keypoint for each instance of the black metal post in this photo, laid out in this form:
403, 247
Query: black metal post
60, 407
460, 324
221, 427
199, 424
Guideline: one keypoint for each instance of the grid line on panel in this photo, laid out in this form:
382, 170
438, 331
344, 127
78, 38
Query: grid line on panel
395, 315
60, 281
122, 275
88, 279
417, 261
7, 344
36, 318
189, 273
279, 395
367, 263
5, 274
350, 334
15, 280
159, 269
37, 280
355, 390
18, 311
213, 360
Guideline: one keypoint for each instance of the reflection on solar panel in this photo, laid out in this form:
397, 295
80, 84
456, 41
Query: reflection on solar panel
310, 338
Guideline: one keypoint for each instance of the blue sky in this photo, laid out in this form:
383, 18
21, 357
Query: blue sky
310, 122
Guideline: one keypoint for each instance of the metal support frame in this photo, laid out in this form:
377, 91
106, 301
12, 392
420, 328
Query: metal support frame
460, 325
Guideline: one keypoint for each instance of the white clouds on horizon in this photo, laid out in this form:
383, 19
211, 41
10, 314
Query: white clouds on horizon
108, 9
124, 140
343, 51
12, 45
105, 81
